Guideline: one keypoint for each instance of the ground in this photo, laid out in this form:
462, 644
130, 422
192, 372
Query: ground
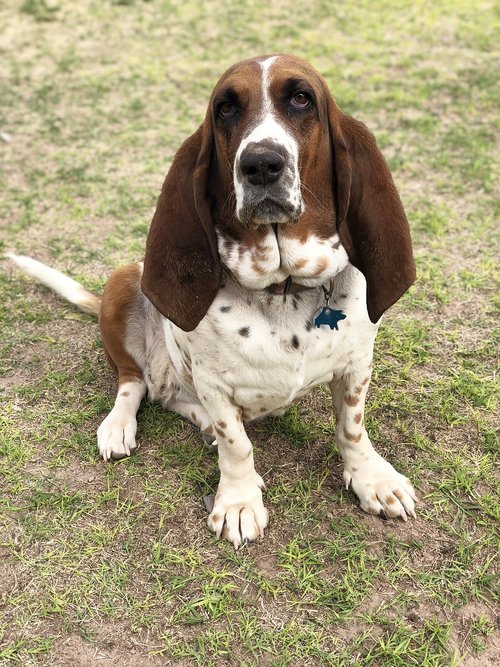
113, 564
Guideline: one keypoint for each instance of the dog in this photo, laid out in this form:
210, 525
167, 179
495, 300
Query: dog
278, 242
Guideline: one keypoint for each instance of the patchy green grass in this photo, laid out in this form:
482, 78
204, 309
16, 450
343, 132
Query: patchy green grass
114, 564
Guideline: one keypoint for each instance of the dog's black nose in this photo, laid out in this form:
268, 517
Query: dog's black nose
261, 166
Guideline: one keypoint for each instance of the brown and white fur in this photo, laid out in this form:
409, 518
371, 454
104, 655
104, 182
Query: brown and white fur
276, 184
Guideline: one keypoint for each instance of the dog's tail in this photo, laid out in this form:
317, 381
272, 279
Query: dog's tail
65, 286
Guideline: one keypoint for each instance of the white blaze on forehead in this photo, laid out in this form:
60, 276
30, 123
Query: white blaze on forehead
266, 98
269, 128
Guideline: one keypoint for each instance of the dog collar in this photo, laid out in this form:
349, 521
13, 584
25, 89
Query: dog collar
286, 287
324, 315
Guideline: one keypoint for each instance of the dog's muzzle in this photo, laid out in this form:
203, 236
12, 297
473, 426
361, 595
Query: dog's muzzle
267, 180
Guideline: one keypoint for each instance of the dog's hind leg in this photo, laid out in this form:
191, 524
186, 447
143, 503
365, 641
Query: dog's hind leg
121, 320
196, 414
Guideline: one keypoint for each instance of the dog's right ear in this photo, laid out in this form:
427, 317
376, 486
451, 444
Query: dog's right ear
182, 270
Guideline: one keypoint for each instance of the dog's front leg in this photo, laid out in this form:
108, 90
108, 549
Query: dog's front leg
116, 434
380, 488
238, 513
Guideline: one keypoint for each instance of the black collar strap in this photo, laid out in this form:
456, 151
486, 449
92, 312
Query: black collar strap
286, 287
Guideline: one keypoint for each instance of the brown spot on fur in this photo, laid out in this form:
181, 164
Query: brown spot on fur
209, 430
366, 380
125, 393
300, 264
358, 417
351, 437
259, 395
193, 416
222, 424
263, 410
355, 469
321, 265
390, 500
215, 518
220, 432
351, 400
358, 390
257, 267
231, 441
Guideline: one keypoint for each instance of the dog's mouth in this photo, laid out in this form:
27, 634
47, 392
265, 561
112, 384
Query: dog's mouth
269, 211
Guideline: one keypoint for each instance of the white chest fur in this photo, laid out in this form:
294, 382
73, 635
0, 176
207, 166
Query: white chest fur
264, 351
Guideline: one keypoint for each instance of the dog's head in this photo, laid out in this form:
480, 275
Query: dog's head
274, 150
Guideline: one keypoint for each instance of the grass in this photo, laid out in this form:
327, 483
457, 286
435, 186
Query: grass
116, 561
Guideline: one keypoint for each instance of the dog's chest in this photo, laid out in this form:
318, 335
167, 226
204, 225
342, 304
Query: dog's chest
265, 351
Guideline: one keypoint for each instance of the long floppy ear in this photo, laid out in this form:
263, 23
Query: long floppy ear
181, 267
371, 221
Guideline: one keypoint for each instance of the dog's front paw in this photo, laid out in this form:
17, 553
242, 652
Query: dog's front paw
238, 514
380, 488
116, 436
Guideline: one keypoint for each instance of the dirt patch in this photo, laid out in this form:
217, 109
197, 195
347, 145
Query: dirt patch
111, 646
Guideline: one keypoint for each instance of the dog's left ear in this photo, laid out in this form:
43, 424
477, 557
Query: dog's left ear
182, 270
371, 221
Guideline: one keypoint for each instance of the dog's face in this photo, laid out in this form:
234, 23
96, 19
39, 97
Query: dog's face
268, 117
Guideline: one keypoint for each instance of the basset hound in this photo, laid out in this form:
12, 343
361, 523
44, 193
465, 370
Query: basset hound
278, 242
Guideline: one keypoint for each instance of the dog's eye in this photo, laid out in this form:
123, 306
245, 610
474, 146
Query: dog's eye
226, 109
301, 100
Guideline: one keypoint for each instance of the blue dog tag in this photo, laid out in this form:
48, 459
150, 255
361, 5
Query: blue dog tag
328, 316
